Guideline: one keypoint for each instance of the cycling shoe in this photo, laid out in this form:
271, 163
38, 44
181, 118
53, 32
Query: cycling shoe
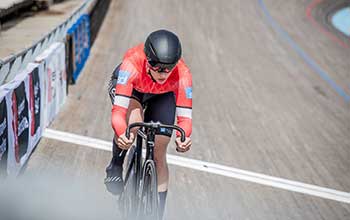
114, 180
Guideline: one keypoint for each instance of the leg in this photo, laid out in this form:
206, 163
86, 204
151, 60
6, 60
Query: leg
135, 114
161, 108
114, 181
161, 144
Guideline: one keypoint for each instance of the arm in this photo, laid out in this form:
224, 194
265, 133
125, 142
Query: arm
184, 112
184, 104
122, 98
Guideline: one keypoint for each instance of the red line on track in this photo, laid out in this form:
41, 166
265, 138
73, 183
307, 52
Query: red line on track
329, 34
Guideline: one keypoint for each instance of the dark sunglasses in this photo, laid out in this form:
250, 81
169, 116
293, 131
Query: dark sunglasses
161, 67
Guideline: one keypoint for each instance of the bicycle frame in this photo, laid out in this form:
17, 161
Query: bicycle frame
147, 132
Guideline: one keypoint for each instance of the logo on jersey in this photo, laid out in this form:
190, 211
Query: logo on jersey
189, 92
123, 77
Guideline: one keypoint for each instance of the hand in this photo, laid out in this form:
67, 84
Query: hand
183, 146
125, 143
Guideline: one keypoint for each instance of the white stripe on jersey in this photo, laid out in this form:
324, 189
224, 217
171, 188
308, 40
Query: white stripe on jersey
121, 101
184, 112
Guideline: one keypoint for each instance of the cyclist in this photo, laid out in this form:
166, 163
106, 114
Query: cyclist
152, 83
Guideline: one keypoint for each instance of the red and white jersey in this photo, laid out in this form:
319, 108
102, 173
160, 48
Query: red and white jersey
133, 75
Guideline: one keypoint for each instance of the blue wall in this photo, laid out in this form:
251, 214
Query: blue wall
80, 33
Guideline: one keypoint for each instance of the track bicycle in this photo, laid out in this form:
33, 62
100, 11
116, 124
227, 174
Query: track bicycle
139, 199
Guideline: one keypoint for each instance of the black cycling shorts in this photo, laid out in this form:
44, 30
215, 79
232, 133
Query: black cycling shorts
157, 107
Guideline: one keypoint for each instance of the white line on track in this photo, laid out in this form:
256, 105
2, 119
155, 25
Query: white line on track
213, 168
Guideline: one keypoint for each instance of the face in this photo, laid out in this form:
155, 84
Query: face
159, 77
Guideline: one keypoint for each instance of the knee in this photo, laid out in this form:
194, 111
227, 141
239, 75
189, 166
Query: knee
160, 160
162, 142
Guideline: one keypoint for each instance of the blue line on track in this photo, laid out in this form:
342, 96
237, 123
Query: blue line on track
301, 53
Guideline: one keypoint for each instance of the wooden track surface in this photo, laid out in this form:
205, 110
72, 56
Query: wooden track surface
258, 106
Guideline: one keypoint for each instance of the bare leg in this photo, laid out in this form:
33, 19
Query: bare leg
162, 170
160, 159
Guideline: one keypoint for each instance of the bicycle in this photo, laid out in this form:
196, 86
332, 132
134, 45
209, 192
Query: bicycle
140, 175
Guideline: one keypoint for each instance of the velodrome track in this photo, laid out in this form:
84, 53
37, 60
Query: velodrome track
271, 96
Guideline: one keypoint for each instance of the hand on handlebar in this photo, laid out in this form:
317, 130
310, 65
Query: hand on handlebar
125, 143
183, 146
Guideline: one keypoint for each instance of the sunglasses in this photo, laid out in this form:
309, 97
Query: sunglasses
161, 67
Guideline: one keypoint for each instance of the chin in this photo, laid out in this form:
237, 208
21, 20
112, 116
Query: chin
161, 82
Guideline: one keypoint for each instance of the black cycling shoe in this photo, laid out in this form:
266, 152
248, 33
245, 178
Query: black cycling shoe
114, 180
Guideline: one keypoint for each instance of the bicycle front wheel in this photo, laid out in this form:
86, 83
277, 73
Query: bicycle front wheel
128, 199
149, 201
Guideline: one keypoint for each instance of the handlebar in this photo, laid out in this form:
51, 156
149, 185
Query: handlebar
154, 126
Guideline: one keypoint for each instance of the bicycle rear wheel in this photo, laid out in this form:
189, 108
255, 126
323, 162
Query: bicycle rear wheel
149, 201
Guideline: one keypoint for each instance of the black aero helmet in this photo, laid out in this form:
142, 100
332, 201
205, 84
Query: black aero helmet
162, 49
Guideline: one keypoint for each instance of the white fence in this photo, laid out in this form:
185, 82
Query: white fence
33, 88
29, 103
14, 64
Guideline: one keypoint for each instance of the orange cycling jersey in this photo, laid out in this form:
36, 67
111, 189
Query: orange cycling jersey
133, 75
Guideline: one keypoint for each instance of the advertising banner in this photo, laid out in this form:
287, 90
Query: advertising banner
79, 33
4, 142
36, 87
69, 59
48, 60
6, 132
23, 106
35, 92
18, 117
20, 122
61, 84
51, 88
35, 101
64, 75
43, 59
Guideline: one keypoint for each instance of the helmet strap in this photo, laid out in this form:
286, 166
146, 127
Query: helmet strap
149, 73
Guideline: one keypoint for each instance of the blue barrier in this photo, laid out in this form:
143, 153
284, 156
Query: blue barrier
80, 33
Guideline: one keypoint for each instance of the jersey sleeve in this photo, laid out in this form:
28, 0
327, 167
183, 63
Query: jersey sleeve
184, 104
121, 101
